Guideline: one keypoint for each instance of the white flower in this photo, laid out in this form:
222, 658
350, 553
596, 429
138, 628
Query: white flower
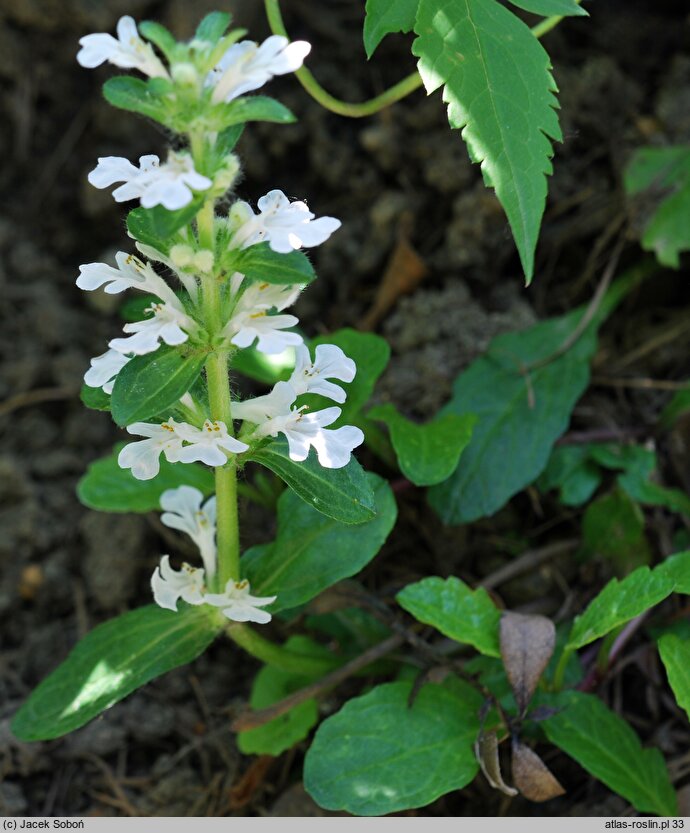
237, 603
251, 320
183, 510
206, 444
330, 363
104, 370
129, 51
246, 66
131, 273
188, 281
142, 457
285, 225
273, 415
165, 325
169, 585
169, 184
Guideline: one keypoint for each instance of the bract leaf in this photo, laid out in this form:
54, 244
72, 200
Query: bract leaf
312, 551
378, 755
150, 384
343, 494
499, 89
527, 644
112, 661
108, 488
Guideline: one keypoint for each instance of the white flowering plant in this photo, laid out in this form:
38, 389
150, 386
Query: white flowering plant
217, 279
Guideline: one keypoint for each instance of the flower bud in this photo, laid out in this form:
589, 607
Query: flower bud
203, 261
185, 75
181, 255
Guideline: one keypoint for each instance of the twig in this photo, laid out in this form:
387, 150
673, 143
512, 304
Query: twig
34, 397
602, 435
252, 719
527, 561
645, 384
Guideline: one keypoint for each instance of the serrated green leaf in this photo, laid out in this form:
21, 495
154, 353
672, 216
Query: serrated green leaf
613, 528
675, 654
384, 17
608, 748
499, 89
112, 661
95, 398
571, 471
312, 552
618, 603
212, 27
150, 384
272, 684
564, 8
135, 95
108, 488
664, 173
253, 108
380, 755
343, 494
458, 612
429, 453
261, 263
520, 414
677, 568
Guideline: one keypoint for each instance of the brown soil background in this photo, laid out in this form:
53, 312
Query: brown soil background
624, 76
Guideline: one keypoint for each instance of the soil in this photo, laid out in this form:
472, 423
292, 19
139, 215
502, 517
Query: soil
167, 750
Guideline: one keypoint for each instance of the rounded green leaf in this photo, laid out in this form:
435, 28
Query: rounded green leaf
112, 661
312, 551
458, 612
379, 754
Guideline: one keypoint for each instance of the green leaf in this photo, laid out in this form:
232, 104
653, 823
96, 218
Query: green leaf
371, 354
254, 108
675, 654
161, 223
262, 367
227, 139
272, 684
384, 17
450, 606
343, 494
135, 95
678, 407
677, 568
618, 603
261, 263
499, 90
142, 226
312, 552
608, 748
95, 398
212, 27
547, 8
160, 36
613, 528
520, 413
379, 755
150, 384
108, 488
112, 661
427, 454
571, 471
663, 173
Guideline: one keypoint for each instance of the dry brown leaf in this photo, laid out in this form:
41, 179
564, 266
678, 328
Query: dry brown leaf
403, 273
486, 752
531, 775
527, 643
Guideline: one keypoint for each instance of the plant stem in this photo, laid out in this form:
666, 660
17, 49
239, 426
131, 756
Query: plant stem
277, 655
559, 674
227, 522
403, 88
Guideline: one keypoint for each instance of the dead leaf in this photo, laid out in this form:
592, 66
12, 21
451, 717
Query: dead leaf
531, 775
486, 752
527, 643
403, 273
